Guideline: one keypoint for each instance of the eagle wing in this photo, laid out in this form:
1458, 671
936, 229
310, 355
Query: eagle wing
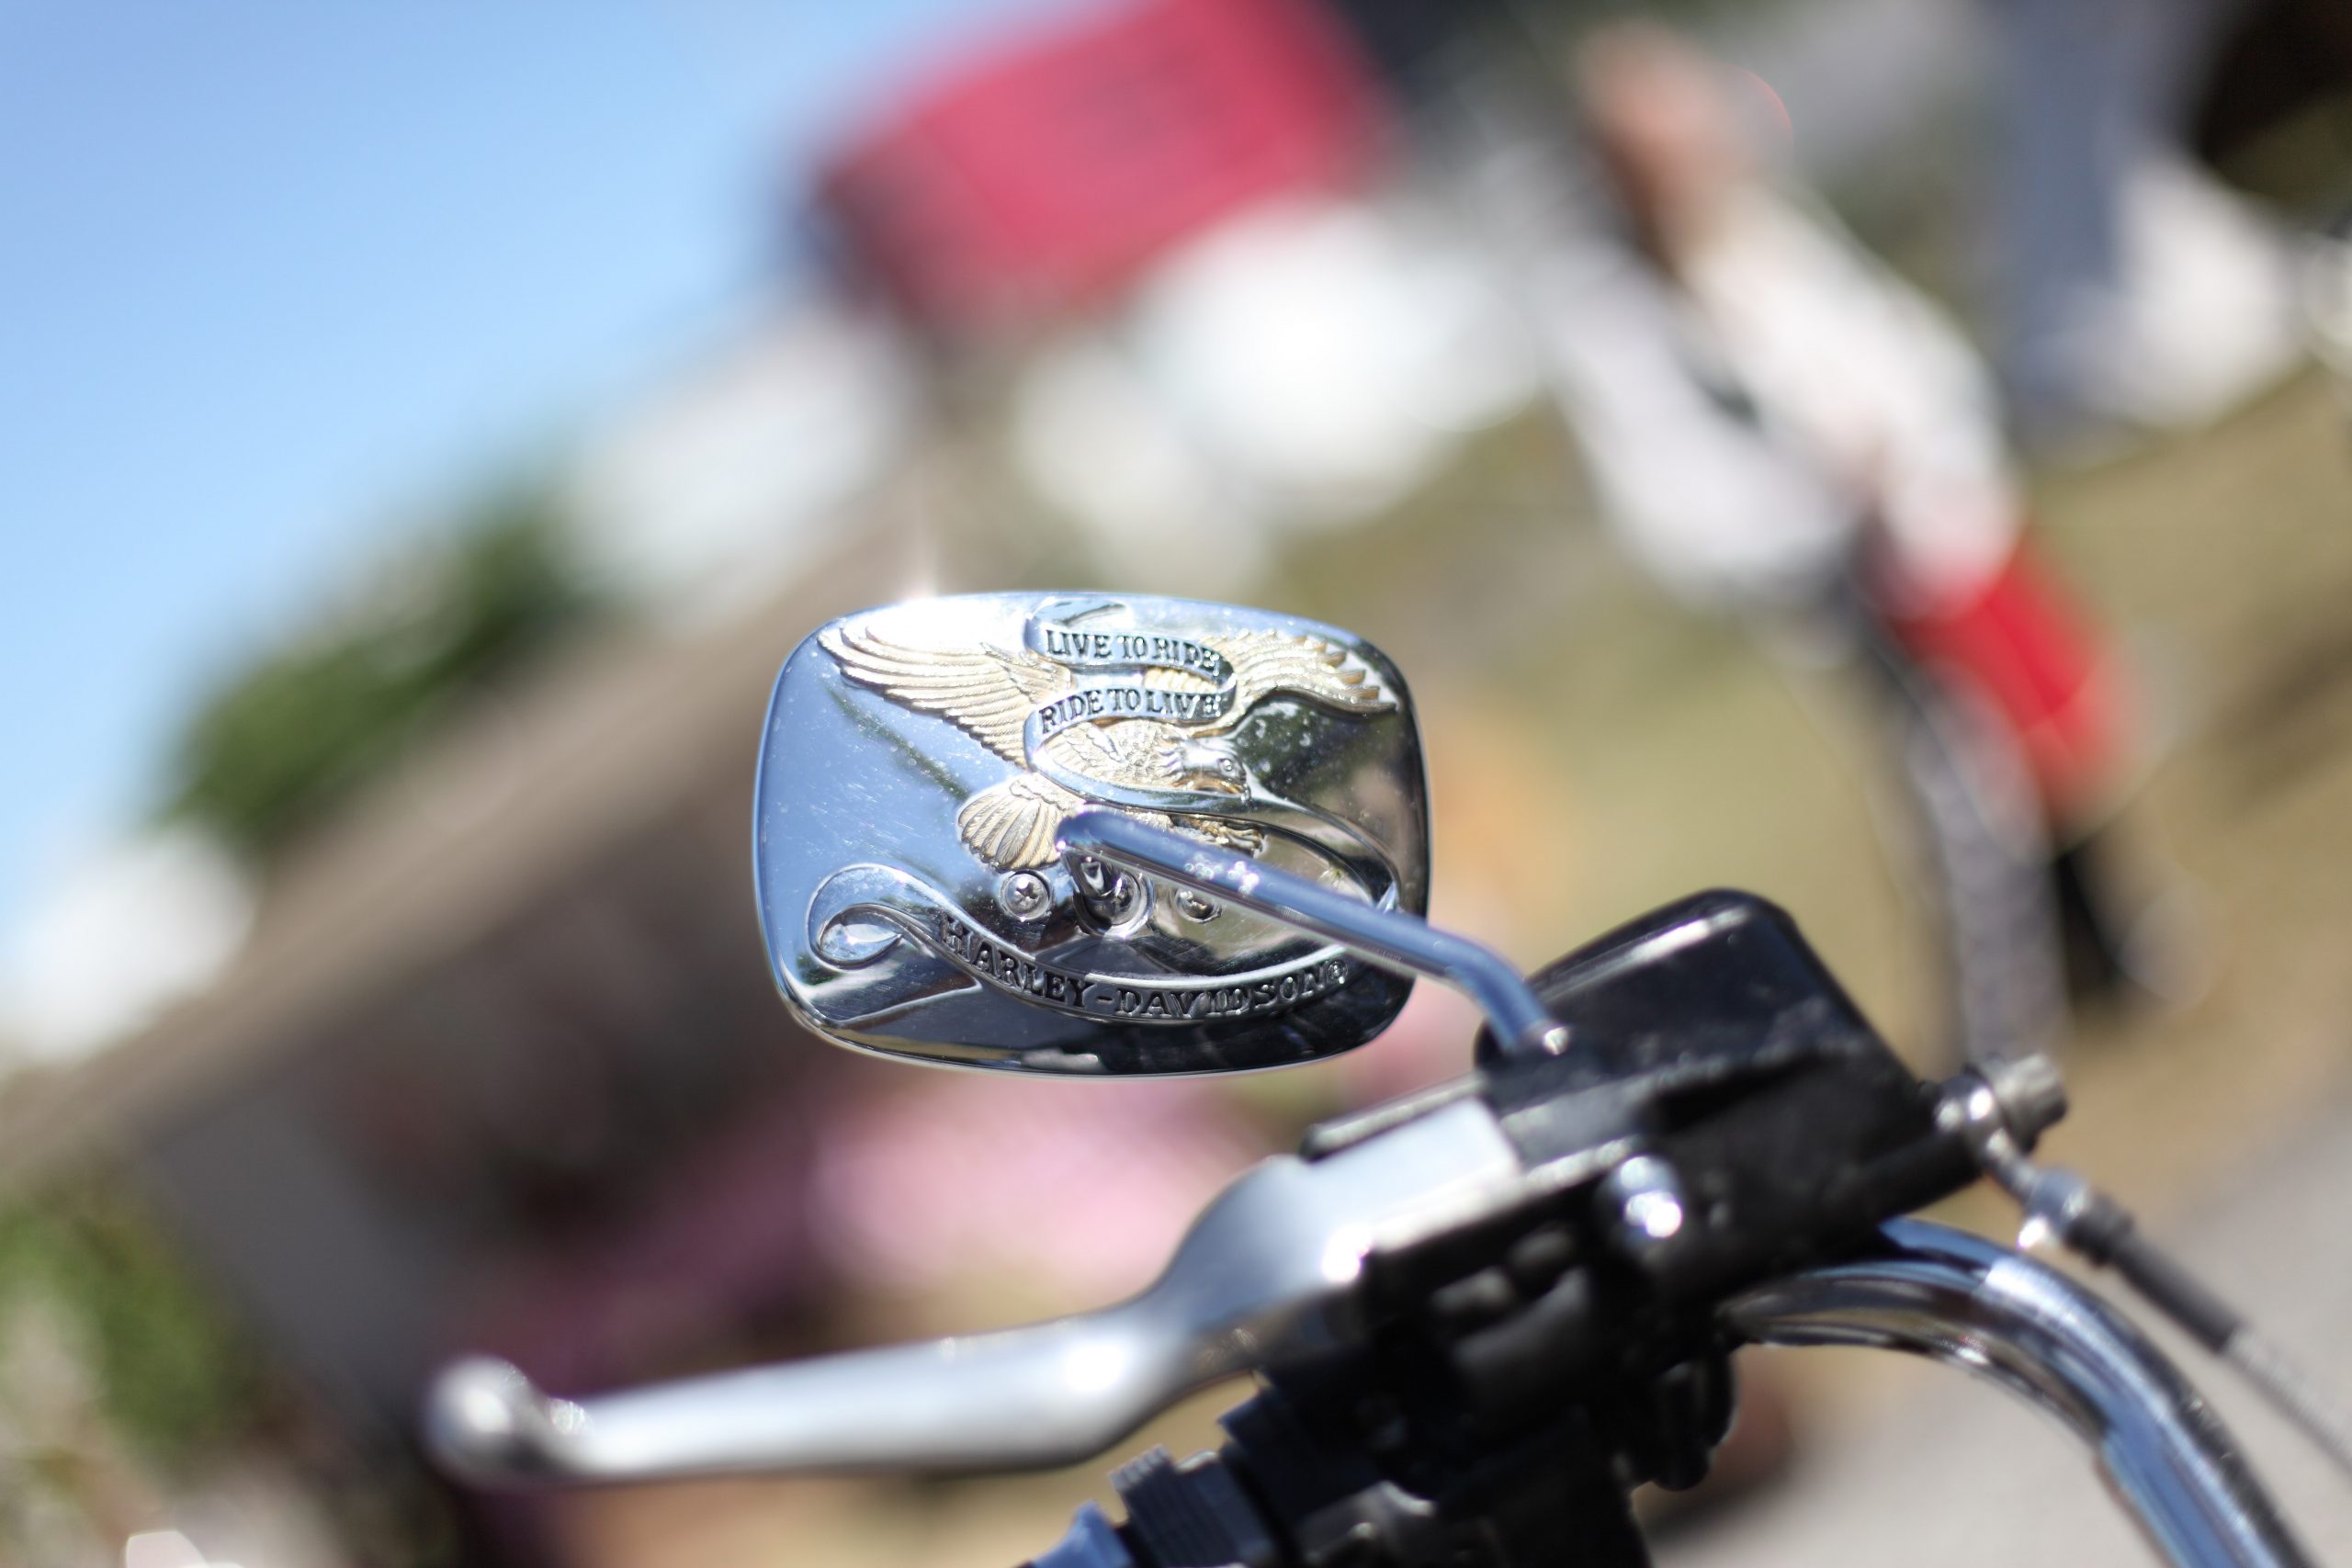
1265, 663
1014, 824
987, 692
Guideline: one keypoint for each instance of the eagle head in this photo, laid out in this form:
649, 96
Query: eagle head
1205, 765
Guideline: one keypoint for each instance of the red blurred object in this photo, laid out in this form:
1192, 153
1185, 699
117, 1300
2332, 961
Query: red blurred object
2024, 645
1042, 177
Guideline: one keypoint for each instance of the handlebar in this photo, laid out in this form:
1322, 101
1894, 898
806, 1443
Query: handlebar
2032, 1331
1932, 1290
1536, 1267
1266, 1275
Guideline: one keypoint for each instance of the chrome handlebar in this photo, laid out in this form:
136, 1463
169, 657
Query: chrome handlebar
1265, 1275
1959, 1299
1268, 1276
2025, 1328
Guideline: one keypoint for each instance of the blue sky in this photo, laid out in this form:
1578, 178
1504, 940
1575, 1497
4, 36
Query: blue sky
276, 276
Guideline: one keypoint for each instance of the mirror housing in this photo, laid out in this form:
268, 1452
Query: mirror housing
920, 759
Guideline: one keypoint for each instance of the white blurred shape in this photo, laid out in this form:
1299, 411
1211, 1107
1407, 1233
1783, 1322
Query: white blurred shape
1091, 437
1330, 351
711, 492
117, 937
166, 1549
1305, 364
2325, 279
2203, 316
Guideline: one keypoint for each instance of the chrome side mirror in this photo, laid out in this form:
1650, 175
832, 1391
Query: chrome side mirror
920, 762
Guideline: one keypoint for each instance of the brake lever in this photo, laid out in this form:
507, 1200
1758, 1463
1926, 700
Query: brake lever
1266, 1275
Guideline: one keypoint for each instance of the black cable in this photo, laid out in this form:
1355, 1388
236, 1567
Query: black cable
2102, 1231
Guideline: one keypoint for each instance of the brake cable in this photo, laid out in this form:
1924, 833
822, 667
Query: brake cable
2063, 1206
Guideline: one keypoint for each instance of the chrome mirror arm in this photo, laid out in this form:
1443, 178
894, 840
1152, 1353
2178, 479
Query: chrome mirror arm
1267, 1271
1389, 938
1972, 1304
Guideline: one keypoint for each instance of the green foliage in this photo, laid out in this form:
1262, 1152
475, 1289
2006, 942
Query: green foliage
172, 1378
291, 739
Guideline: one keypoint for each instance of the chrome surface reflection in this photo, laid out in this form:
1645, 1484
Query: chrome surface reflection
1959, 1299
920, 762
1407, 946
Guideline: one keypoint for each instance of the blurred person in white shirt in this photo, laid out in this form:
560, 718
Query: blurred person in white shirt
1782, 429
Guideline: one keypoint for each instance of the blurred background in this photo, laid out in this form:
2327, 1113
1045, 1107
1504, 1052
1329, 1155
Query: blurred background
430, 429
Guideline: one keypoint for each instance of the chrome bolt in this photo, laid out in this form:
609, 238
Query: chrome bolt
1024, 896
1116, 899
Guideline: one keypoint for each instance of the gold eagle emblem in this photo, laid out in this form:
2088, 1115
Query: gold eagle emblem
992, 694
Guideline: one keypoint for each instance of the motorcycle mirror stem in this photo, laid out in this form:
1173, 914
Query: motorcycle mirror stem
1403, 942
